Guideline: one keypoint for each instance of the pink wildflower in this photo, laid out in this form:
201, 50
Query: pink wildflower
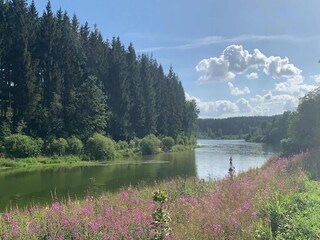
64, 222
216, 228
234, 222
15, 229
124, 196
56, 206
245, 206
87, 211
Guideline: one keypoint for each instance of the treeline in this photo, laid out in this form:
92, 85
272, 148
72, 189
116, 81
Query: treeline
295, 131
272, 131
235, 127
60, 79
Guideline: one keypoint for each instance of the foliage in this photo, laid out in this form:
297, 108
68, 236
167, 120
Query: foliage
122, 145
149, 145
20, 146
161, 216
75, 146
304, 127
99, 147
167, 143
89, 112
57, 147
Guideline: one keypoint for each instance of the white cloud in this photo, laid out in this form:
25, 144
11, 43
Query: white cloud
219, 108
294, 86
316, 78
244, 106
236, 91
235, 60
278, 67
214, 68
267, 104
252, 76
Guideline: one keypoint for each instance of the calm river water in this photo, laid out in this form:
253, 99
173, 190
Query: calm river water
210, 160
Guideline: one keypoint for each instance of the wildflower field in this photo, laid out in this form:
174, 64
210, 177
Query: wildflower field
277, 201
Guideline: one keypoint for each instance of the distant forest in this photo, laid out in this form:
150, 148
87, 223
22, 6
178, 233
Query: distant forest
270, 129
236, 126
59, 78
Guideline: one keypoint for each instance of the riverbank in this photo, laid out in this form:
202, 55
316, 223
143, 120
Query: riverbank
249, 206
71, 160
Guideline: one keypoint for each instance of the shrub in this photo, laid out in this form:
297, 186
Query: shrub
167, 143
75, 146
122, 145
149, 145
58, 147
100, 147
180, 140
21, 146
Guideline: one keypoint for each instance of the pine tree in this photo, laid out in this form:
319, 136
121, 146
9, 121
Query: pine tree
118, 92
137, 113
147, 79
90, 113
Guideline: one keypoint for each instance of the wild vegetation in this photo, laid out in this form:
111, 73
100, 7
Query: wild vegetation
277, 201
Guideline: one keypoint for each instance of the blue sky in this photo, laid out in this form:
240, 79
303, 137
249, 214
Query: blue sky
235, 58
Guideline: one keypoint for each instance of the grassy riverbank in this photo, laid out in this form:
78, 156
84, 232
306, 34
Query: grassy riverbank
72, 160
281, 200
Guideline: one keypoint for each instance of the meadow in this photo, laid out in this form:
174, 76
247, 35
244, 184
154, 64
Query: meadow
277, 201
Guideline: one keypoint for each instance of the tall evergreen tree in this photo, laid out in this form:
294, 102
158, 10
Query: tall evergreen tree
118, 92
90, 114
137, 113
147, 79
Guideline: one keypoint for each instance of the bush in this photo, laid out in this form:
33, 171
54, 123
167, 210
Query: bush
167, 143
21, 146
149, 145
58, 147
180, 140
122, 145
75, 146
288, 146
100, 147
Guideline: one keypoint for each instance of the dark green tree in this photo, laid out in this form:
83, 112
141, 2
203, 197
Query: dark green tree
89, 111
304, 127
147, 79
118, 92
137, 113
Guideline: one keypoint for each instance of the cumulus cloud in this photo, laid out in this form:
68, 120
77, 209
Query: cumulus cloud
294, 86
235, 60
270, 104
236, 91
278, 67
252, 76
267, 104
244, 106
217, 108
214, 68
316, 78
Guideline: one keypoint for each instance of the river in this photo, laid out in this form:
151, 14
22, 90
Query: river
210, 160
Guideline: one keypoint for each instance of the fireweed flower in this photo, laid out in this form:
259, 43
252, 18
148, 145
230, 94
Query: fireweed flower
245, 206
56, 206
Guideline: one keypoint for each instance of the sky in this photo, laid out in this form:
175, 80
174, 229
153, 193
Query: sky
233, 57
